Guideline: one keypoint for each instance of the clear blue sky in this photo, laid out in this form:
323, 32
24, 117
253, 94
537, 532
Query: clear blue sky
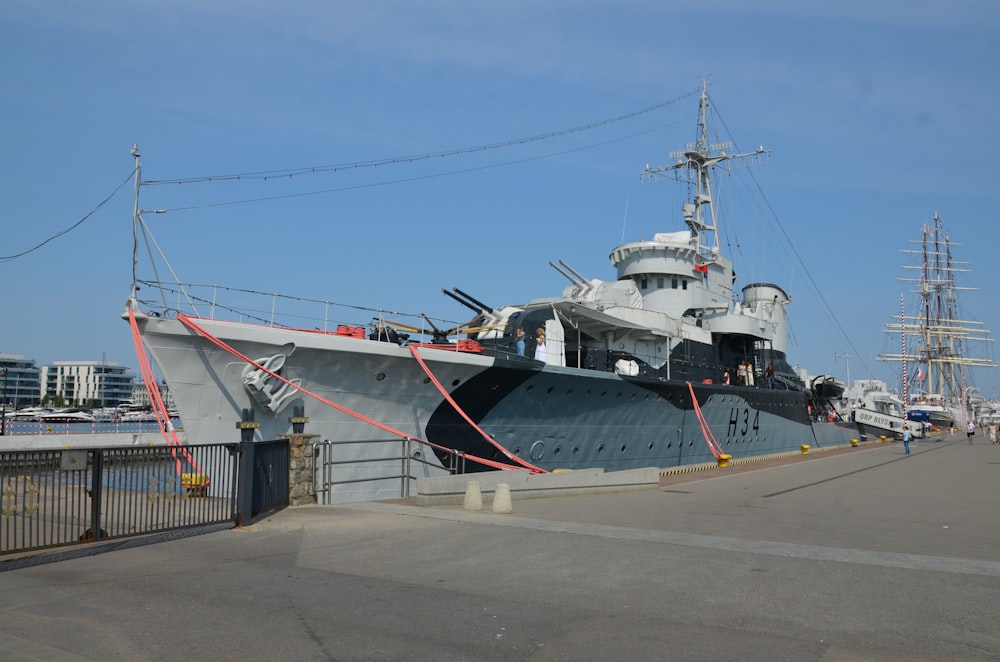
876, 114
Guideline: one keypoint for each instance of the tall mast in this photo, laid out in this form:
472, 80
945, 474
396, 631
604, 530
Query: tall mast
943, 337
135, 218
698, 158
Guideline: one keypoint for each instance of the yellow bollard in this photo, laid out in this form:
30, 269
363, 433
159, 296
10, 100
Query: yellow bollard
723, 460
881, 439
854, 443
805, 449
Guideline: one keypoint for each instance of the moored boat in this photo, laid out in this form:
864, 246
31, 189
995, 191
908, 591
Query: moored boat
65, 416
659, 367
880, 412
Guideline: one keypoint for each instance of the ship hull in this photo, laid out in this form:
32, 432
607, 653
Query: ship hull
549, 416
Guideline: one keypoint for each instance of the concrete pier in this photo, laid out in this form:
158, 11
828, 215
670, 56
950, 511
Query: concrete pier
868, 554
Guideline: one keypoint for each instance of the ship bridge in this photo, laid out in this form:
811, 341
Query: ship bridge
672, 276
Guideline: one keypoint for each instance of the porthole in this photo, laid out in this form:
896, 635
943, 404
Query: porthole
670, 444
380, 376
529, 388
624, 448
651, 444
550, 389
416, 455
427, 380
576, 449
557, 450
600, 449
456, 382
517, 450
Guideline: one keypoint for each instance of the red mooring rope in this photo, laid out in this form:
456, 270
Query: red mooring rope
156, 400
189, 322
713, 445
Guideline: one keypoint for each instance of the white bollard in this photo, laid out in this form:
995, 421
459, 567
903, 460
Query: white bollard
473, 496
501, 499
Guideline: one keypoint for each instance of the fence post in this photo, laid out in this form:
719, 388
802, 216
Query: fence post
301, 460
244, 481
96, 490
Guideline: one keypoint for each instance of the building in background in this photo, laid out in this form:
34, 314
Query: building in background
87, 383
140, 396
20, 381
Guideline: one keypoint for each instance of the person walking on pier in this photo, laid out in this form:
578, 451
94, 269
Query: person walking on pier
970, 429
906, 439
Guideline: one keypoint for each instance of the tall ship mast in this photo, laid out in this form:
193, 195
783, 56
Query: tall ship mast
939, 341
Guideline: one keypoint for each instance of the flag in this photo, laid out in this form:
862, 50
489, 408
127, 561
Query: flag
920, 374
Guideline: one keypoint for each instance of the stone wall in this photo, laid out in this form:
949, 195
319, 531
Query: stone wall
301, 462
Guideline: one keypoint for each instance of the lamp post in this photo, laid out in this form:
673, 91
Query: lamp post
3, 404
847, 360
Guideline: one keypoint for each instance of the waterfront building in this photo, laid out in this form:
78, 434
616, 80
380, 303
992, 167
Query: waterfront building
140, 396
20, 381
87, 383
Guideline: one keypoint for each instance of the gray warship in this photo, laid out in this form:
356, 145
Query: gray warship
641, 370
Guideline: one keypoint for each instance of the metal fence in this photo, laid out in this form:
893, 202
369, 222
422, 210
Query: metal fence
50, 498
385, 462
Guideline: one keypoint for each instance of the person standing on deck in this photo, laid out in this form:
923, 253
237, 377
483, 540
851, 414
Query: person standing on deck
519, 342
540, 346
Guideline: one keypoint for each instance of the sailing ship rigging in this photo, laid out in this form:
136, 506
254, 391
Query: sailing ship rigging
941, 342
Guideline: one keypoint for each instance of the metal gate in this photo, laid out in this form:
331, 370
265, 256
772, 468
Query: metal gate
269, 482
50, 498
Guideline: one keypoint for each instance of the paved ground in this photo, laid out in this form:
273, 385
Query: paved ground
864, 555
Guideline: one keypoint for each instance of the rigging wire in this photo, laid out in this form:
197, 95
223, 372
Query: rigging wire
374, 163
405, 180
802, 264
366, 164
4, 258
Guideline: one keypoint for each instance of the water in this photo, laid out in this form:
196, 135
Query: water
109, 427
